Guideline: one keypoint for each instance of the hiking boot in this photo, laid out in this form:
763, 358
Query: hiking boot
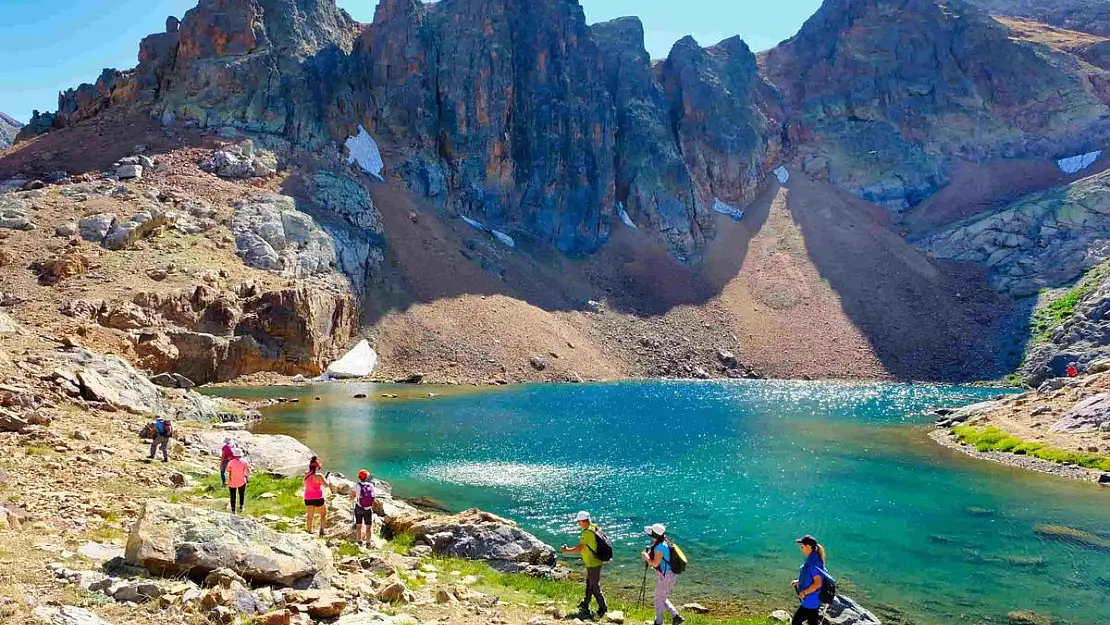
601, 612
678, 620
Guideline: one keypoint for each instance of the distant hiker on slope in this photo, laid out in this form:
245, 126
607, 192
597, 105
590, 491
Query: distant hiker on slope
162, 430
363, 496
660, 555
226, 454
1073, 370
814, 585
596, 550
314, 501
238, 475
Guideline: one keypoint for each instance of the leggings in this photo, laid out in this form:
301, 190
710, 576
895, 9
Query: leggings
664, 584
242, 490
811, 616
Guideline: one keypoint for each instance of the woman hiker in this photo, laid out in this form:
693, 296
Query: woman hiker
314, 502
811, 577
658, 556
363, 496
238, 475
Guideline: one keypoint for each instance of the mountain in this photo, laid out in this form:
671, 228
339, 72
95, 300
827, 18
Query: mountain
887, 96
9, 128
1091, 16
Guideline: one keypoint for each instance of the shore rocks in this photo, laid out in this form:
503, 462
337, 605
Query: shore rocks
270, 453
170, 539
475, 535
968, 412
844, 611
1086, 416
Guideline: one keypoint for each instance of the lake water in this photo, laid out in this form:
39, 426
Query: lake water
737, 470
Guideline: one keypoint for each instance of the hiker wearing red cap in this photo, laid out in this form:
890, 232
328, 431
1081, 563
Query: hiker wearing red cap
363, 496
811, 579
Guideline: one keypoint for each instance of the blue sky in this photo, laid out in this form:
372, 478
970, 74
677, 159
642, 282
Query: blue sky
48, 45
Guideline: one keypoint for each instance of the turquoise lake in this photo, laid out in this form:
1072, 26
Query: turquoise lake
737, 470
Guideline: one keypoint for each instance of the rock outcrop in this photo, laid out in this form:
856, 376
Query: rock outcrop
9, 128
1083, 338
171, 539
476, 535
1044, 240
884, 96
1090, 16
269, 453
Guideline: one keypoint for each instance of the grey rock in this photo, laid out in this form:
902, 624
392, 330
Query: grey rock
66, 230
844, 611
95, 227
11, 422
13, 214
128, 171
241, 161
476, 535
214, 410
271, 453
171, 539
172, 380
9, 326
66, 615
272, 234
1086, 416
113, 381
98, 552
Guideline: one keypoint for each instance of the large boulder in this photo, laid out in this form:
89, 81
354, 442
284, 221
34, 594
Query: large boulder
844, 611
241, 161
66, 615
173, 539
114, 382
270, 453
475, 535
271, 234
214, 410
1086, 416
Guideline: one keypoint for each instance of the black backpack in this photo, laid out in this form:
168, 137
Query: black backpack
604, 551
828, 588
678, 559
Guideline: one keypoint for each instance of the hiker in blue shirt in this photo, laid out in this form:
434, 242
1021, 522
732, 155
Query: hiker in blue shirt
163, 432
811, 577
658, 556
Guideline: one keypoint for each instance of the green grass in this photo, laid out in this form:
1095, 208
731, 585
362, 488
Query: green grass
35, 451
287, 503
993, 439
348, 549
401, 543
1047, 318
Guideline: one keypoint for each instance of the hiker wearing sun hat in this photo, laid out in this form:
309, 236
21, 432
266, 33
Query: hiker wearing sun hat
596, 550
660, 556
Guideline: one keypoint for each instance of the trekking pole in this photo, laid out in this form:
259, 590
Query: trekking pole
550, 572
643, 587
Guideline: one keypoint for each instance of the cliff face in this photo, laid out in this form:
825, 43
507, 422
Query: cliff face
9, 128
519, 115
886, 94
1091, 16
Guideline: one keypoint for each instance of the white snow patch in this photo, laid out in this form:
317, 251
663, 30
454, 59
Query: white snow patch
362, 149
504, 238
1077, 164
624, 216
725, 209
358, 363
783, 174
477, 225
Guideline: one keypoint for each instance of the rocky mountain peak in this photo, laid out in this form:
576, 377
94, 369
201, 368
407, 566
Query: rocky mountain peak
9, 127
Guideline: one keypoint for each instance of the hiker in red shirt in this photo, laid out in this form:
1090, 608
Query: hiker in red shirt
225, 457
1073, 370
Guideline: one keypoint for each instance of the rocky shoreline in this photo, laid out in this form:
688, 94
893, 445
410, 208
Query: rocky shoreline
946, 438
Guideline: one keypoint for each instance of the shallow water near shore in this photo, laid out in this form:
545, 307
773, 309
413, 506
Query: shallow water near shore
737, 470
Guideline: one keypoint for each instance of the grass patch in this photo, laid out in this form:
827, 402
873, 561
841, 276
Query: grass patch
402, 543
1048, 317
993, 439
35, 451
287, 502
107, 534
348, 549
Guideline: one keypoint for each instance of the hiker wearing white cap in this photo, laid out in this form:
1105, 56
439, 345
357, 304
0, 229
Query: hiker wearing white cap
225, 457
596, 550
659, 556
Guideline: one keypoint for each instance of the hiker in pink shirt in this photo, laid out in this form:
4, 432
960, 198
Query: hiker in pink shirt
238, 474
314, 500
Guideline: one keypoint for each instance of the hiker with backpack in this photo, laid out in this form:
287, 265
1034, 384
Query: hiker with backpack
667, 560
814, 585
226, 454
238, 476
363, 496
314, 501
596, 550
163, 432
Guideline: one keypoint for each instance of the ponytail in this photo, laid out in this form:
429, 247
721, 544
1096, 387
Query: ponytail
821, 554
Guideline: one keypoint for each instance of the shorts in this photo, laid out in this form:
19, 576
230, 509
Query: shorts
314, 503
364, 516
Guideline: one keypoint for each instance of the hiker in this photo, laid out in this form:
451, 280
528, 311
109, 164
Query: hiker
363, 496
163, 432
659, 557
314, 502
811, 577
238, 475
588, 546
226, 454
1073, 369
